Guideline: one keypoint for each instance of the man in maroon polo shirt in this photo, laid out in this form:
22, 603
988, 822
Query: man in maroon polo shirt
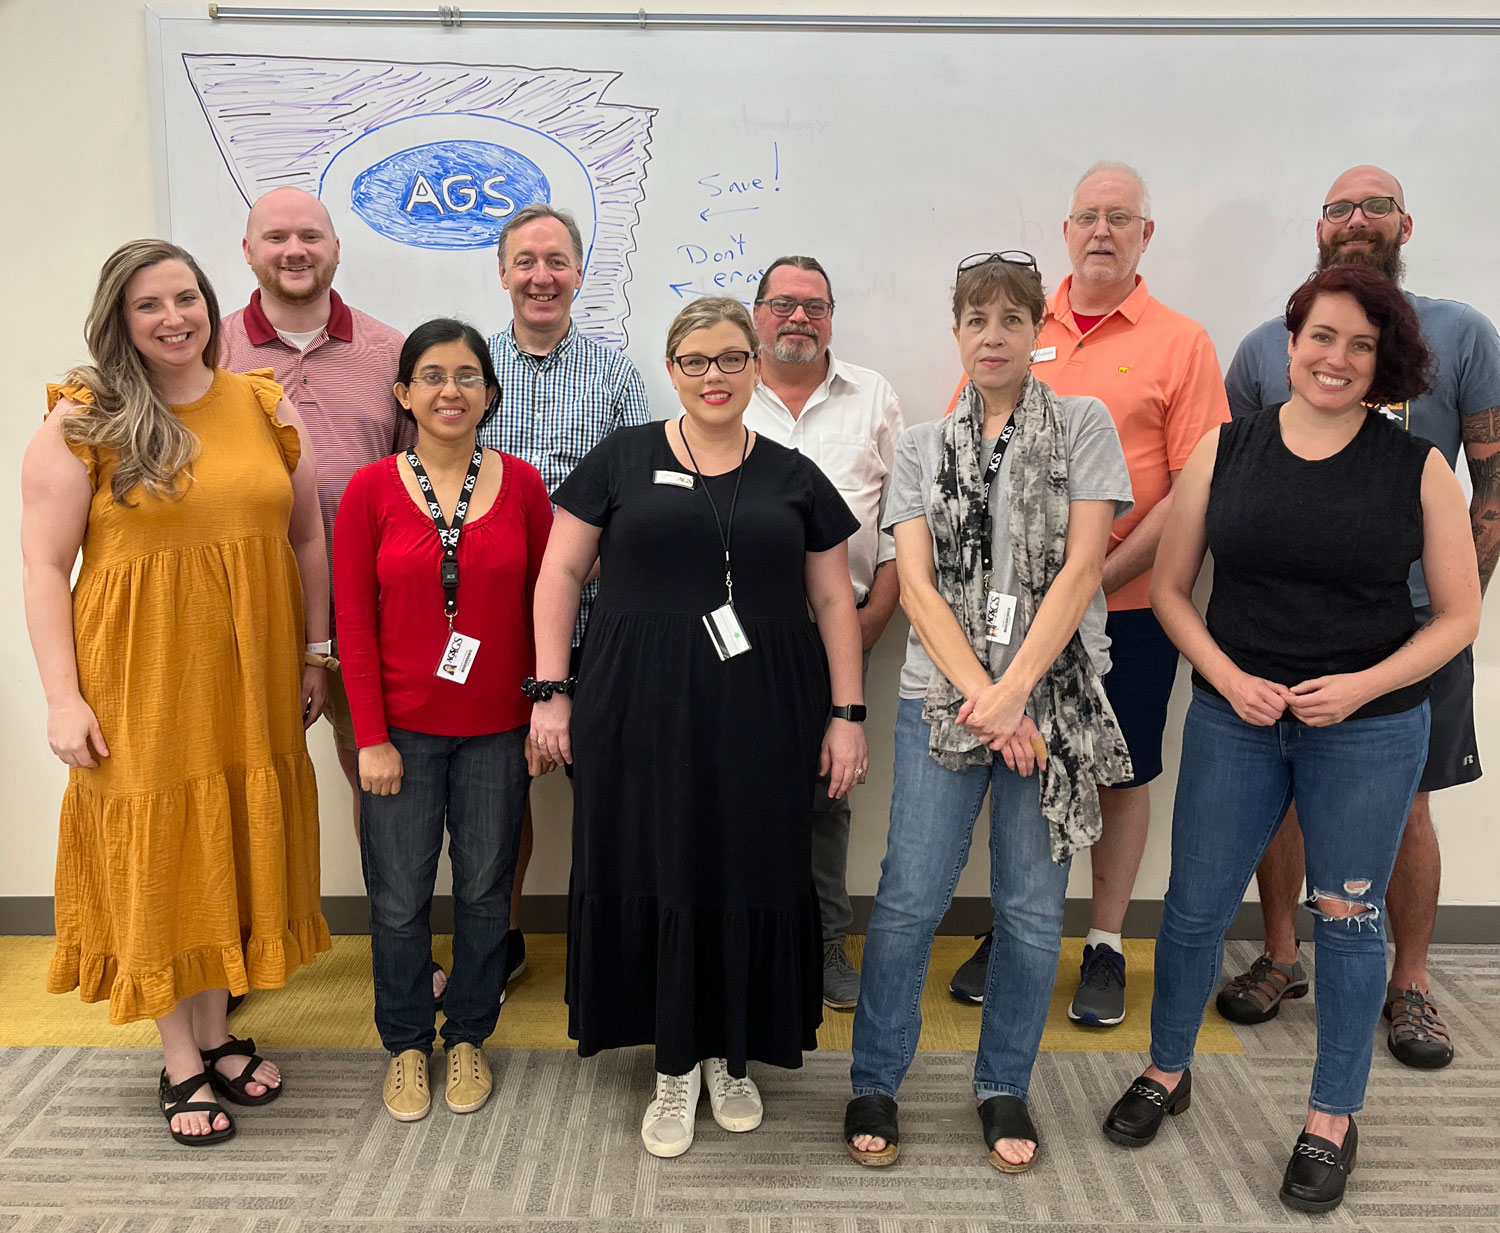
336, 365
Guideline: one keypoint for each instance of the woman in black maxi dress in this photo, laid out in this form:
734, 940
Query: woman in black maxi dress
693, 924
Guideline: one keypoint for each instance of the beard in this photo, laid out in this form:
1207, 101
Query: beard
269, 278
1383, 254
795, 347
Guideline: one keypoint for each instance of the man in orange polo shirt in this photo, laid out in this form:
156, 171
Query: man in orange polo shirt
1157, 373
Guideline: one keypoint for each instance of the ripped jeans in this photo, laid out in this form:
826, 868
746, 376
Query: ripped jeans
1353, 783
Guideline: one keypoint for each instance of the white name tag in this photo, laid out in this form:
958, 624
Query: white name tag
1042, 354
457, 659
726, 632
679, 478
999, 617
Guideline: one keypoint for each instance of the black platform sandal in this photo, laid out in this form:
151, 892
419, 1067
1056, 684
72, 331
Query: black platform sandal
1006, 1117
174, 1100
235, 1089
875, 1116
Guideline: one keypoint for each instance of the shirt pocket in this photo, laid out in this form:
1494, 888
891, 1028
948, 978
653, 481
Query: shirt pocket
850, 461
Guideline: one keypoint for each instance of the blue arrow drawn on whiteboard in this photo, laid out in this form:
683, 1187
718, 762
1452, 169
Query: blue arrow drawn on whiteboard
678, 287
705, 215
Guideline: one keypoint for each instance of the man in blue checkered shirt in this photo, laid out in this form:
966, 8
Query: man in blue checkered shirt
561, 393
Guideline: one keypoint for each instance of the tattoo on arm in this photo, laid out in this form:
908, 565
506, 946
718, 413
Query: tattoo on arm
1483, 428
1484, 511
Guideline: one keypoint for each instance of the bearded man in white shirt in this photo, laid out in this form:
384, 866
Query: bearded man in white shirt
846, 419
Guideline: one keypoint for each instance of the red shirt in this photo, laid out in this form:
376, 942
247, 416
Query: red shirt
389, 599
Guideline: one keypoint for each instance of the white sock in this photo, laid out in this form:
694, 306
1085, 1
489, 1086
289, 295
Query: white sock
1112, 940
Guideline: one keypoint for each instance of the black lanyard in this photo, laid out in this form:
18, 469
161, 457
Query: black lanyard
724, 533
986, 548
448, 534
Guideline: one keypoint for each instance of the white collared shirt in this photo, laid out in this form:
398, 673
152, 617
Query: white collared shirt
849, 427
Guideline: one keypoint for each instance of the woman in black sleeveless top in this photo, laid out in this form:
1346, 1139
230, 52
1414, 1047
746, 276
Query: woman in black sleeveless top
1310, 681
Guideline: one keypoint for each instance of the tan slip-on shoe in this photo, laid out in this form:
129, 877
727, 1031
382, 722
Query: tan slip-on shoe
469, 1082
405, 1092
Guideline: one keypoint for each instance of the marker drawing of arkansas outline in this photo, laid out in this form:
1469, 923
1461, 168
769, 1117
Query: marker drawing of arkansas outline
434, 158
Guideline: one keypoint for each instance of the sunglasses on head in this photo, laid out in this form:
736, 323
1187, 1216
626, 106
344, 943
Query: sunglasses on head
1011, 256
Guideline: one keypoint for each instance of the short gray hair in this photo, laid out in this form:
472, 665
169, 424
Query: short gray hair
1119, 168
536, 210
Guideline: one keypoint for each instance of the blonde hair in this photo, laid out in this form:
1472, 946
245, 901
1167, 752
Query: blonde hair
708, 312
127, 415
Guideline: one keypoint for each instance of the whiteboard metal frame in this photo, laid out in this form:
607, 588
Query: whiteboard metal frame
453, 15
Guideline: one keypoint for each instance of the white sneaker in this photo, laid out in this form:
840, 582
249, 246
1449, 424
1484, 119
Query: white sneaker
667, 1128
736, 1102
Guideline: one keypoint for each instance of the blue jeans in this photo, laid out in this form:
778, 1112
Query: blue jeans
932, 823
1353, 783
477, 785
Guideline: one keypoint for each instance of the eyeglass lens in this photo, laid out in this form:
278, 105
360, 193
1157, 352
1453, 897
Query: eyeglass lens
1370, 207
785, 306
465, 380
727, 362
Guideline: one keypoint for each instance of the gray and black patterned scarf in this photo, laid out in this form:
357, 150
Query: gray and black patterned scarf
1068, 705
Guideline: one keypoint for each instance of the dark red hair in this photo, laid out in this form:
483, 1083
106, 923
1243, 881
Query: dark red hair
1402, 359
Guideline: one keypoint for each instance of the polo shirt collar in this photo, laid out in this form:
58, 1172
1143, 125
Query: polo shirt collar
1132, 309
260, 331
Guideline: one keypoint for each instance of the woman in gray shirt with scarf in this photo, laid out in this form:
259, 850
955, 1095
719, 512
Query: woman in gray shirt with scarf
1000, 563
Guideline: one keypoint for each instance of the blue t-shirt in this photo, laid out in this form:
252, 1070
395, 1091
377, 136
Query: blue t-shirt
1465, 380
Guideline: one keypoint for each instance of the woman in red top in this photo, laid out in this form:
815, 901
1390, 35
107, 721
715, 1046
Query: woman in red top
438, 551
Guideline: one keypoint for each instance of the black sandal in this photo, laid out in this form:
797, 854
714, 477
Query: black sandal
174, 1100
235, 1089
876, 1116
1006, 1117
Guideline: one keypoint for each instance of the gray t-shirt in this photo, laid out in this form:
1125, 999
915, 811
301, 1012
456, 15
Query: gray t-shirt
1096, 472
1465, 380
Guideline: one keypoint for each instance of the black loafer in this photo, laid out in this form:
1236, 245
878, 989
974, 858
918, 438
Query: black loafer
1137, 1115
1318, 1171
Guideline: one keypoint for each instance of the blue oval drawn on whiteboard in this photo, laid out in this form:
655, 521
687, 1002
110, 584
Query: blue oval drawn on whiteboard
450, 194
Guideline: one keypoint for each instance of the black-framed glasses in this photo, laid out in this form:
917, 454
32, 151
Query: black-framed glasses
1011, 256
1117, 220
727, 362
785, 306
1370, 207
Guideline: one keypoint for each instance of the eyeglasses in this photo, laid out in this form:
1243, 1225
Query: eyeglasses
785, 306
1116, 220
727, 362
1370, 207
1011, 256
437, 380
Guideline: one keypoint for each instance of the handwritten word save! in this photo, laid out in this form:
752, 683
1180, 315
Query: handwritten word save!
450, 194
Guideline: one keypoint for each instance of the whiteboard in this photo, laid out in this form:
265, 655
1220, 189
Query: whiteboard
693, 158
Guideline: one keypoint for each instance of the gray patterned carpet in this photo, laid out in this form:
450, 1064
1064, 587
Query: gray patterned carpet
82, 1149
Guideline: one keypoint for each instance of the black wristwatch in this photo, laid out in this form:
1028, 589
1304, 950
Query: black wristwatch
854, 714
542, 691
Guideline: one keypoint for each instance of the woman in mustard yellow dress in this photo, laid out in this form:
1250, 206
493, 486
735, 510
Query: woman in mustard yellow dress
177, 683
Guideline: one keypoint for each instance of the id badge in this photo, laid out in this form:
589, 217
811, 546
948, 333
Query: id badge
457, 659
726, 632
999, 617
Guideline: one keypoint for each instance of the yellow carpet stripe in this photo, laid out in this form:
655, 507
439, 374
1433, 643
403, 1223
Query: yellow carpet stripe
331, 1005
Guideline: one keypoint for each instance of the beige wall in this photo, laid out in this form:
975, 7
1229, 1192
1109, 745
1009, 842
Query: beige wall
77, 149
